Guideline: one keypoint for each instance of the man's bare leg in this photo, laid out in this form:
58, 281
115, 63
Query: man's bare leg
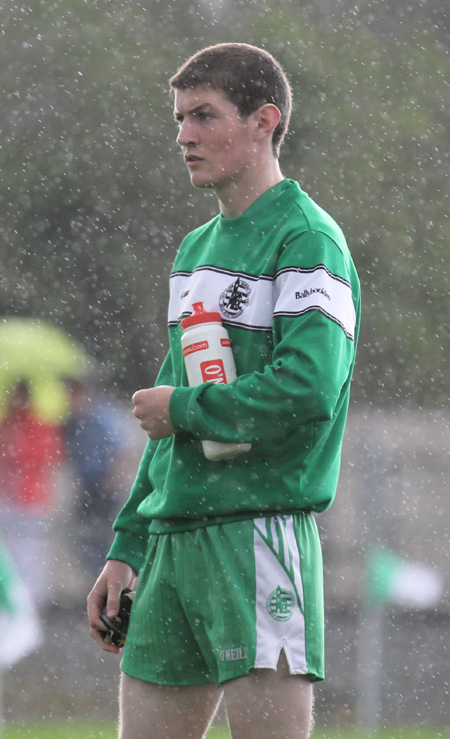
269, 704
149, 711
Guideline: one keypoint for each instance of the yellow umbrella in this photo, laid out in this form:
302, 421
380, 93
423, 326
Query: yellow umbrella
42, 355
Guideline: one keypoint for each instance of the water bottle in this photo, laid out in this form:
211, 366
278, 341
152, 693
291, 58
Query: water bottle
208, 358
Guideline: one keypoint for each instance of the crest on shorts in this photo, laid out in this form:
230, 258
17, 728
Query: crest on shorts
235, 298
280, 604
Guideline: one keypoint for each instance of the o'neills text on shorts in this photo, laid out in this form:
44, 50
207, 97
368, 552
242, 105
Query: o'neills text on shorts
232, 655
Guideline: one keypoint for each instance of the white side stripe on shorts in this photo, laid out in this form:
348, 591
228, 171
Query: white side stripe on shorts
280, 622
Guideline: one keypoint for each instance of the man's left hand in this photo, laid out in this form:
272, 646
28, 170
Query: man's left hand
152, 409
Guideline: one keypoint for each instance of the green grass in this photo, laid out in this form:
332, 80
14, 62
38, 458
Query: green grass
77, 730
400, 732
60, 730
86, 730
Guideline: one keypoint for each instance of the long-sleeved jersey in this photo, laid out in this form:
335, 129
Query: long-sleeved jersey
282, 278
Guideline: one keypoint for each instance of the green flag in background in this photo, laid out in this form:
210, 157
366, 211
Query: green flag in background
390, 579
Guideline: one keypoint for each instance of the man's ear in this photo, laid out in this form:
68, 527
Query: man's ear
266, 119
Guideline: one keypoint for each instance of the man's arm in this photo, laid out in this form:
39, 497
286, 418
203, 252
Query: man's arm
311, 365
303, 385
130, 542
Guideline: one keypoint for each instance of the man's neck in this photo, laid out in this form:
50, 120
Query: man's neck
236, 197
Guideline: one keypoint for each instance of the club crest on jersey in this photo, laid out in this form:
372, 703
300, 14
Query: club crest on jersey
235, 298
280, 604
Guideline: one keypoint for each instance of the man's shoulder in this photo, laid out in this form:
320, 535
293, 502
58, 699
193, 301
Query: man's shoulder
312, 217
200, 231
312, 235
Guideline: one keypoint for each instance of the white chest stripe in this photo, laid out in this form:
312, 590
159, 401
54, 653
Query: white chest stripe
241, 299
252, 302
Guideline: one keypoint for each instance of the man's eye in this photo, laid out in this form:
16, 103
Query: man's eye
204, 116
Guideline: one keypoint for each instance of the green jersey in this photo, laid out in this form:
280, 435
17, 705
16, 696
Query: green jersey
283, 280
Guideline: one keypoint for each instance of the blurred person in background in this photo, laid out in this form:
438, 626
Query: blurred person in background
31, 451
94, 437
20, 627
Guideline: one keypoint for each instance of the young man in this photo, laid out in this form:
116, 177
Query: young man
229, 599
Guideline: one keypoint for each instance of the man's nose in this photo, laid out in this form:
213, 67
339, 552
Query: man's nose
186, 134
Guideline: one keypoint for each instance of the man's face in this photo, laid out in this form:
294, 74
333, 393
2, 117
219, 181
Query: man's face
216, 143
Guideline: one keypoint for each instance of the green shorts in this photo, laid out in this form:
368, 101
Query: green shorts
216, 602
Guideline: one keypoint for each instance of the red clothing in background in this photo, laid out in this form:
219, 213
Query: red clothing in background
30, 450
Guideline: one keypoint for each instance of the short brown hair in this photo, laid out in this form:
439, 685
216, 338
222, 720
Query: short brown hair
249, 77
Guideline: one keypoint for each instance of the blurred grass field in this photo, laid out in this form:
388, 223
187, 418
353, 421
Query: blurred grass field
84, 730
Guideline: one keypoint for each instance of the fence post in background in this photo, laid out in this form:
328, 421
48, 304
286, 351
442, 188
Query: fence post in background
370, 627
1, 703
390, 579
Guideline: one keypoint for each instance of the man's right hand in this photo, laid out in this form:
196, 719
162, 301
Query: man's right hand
114, 577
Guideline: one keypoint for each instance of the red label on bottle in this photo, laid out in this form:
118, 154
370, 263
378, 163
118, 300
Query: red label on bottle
213, 371
198, 347
225, 342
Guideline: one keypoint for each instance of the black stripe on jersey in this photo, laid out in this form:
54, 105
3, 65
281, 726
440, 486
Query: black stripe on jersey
286, 314
230, 272
309, 270
239, 324
254, 278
